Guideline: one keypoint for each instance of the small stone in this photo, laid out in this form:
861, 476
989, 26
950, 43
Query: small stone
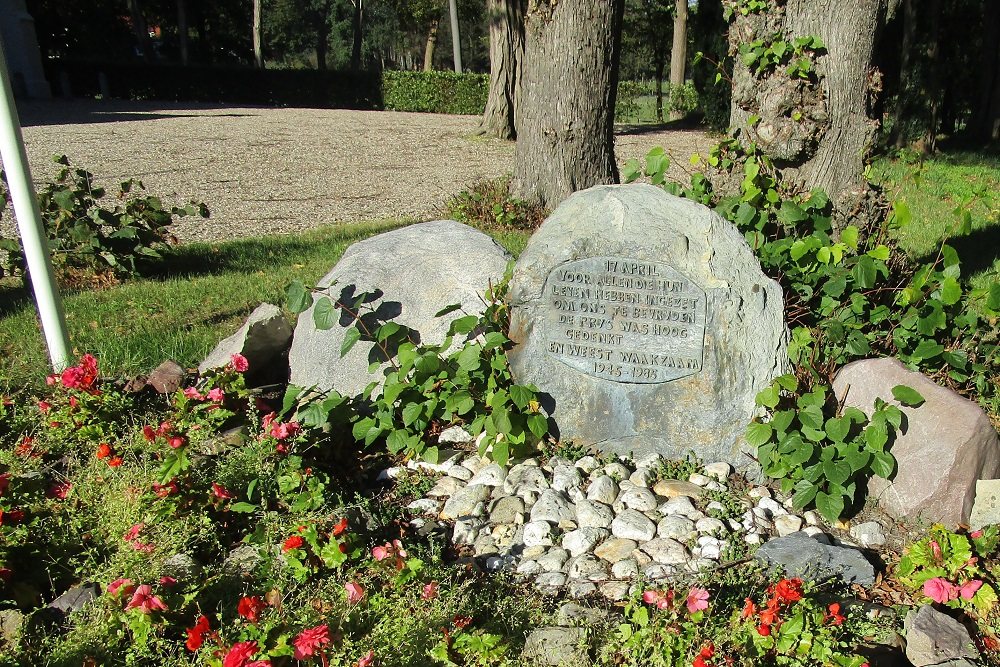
614, 590
566, 477
642, 559
533, 552
615, 549
182, 567
554, 647
759, 492
933, 638
681, 505
710, 526
666, 551
869, 534
812, 518
699, 479
583, 540
11, 627
460, 472
242, 561
673, 488
603, 490
591, 514
772, 507
587, 464
523, 477
389, 473
528, 568
815, 532
454, 435
500, 563
676, 527
554, 559
507, 510
752, 538
658, 571
617, 471
587, 566
581, 589
720, 471
550, 582
638, 498
470, 501
633, 525
625, 569
446, 486
76, 598
475, 462
699, 565
572, 614
554, 507
484, 544
715, 486
787, 524
712, 551
643, 477
537, 533
490, 475
466, 531
651, 460
425, 506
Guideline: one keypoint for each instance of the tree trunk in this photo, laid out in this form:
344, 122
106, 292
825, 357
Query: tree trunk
432, 38
139, 28
258, 51
356, 47
659, 89
506, 19
322, 48
456, 36
905, 75
818, 131
565, 123
678, 53
933, 92
985, 123
182, 31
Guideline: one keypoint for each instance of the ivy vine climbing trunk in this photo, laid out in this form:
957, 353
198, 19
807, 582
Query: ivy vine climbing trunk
565, 119
818, 130
506, 20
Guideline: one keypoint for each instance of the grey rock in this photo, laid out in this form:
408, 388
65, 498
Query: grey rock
933, 638
698, 479
666, 551
679, 506
787, 524
772, 507
469, 501
484, 545
633, 525
454, 435
500, 563
76, 598
587, 566
614, 590
490, 475
508, 538
556, 647
639, 498
182, 567
951, 431
522, 477
11, 627
802, 556
475, 462
676, 527
583, 540
707, 257
507, 510
658, 571
414, 272
580, 589
625, 569
566, 477
673, 488
603, 490
710, 526
446, 486
869, 534
529, 568
554, 507
615, 550
587, 464
466, 531
425, 506
264, 340
550, 582
460, 473
643, 477
572, 614
986, 507
720, 471
590, 514
554, 559
242, 561
616, 471
537, 533
167, 377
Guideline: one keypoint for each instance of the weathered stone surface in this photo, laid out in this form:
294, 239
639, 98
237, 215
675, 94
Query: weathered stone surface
802, 556
11, 626
507, 510
633, 525
933, 638
676, 527
666, 551
556, 647
468, 501
415, 271
591, 514
603, 490
947, 445
167, 377
986, 508
616, 549
76, 597
582, 540
572, 614
698, 290
554, 507
673, 488
264, 340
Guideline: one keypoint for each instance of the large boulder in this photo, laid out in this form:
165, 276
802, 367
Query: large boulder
410, 275
263, 339
647, 322
945, 445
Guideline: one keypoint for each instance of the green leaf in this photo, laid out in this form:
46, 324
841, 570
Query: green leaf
386, 330
451, 308
768, 397
865, 272
993, 300
298, 297
790, 213
811, 416
521, 395
831, 506
759, 433
951, 292
243, 508
907, 395
538, 424
501, 452
805, 492
411, 413
837, 472
468, 358
928, 349
463, 325
883, 464
849, 236
837, 428
351, 336
325, 314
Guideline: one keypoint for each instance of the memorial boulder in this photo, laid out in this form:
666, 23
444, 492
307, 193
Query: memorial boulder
646, 323
408, 275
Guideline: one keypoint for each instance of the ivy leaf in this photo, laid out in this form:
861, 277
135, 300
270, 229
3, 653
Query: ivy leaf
521, 395
865, 272
838, 472
411, 413
951, 292
805, 491
325, 314
883, 464
468, 358
351, 336
451, 308
928, 349
993, 300
850, 237
538, 424
831, 506
298, 297
768, 397
907, 395
790, 213
837, 428
501, 452
759, 433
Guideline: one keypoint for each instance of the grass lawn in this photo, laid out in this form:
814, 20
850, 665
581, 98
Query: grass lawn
203, 295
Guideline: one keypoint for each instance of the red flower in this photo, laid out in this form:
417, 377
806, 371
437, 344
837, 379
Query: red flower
6, 574
103, 451
144, 600
340, 527
699, 662
196, 634
788, 590
220, 491
367, 659
749, 609
250, 608
177, 441
115, 461
59, 490
308, 641
764, 630
239, 655
164, 490
240, 363
4, 482
124, 585
461, 621
293, 542
44, 406
834, 615
150, 435
430, 591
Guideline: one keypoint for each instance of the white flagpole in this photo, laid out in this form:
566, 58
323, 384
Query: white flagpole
29, 224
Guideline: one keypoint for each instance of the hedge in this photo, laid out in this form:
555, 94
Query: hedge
435, 92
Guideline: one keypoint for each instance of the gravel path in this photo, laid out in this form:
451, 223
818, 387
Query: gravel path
267, 170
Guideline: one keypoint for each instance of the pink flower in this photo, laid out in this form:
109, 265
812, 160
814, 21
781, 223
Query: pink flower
240, 363
940, 590
661, 599
220, 491
936, 550
310, 640
283, 431
355, 592
144, 600
126, 587
133, 532
193, 393
367, 659
430, 591
216, 395
44, 406
976, 534
239, 655
697, 599
383, 552
969, 588
60, 490
72, 377
167, 581
144, 547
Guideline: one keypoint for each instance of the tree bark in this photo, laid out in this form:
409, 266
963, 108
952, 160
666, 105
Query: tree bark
659, 89
506, 19
356, 47
565, 121
139, 28
456, 36
819, 132
985, 123
905, 75
678, 53
258, 50
432, 38
182, 31
934, 92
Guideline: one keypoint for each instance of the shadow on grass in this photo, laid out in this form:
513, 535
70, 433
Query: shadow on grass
977, 251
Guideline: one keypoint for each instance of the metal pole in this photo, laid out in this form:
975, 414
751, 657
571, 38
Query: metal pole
29, 223
456, 42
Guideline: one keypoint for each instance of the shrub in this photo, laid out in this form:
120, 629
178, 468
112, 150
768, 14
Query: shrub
488, 204
435, 92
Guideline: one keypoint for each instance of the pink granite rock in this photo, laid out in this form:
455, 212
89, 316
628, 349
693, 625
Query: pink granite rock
948, 443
